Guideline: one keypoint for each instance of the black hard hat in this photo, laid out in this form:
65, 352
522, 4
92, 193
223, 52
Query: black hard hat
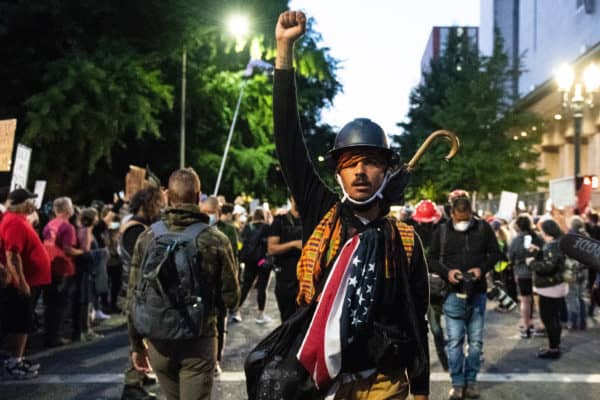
361, 132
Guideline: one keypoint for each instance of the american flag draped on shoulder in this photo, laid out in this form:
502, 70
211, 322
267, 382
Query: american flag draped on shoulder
325, 240
345, 303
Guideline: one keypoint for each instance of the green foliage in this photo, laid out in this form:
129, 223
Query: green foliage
92, 103
469, 94
96, 86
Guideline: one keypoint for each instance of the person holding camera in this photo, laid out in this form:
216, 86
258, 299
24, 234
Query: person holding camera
522, 247
548, 268
463, 250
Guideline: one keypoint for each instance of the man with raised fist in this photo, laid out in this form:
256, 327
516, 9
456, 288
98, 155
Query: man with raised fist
368, 335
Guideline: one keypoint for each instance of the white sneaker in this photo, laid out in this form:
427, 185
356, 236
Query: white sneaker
263, 319
98, 315
237, 317
218, 370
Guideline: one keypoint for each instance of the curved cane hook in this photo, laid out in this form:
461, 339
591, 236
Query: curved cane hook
449, 136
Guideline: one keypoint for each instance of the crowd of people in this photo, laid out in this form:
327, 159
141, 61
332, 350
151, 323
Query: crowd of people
66, 268
524, 265
356, 287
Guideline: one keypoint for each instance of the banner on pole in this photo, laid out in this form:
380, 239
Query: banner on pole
21, 167
39, 189
7, 141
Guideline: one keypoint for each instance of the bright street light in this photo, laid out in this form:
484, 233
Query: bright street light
238, 26
576, 93
591, 78
564, 77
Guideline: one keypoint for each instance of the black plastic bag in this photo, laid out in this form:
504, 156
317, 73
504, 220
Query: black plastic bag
272, 369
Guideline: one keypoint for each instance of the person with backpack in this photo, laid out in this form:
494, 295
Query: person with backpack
548, 266
522, 247
256, 268
145, 206
363, 273
180, 265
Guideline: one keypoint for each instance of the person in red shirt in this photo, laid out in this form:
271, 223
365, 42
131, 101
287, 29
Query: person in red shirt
24, 255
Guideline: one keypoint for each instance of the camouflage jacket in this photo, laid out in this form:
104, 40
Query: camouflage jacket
217, 259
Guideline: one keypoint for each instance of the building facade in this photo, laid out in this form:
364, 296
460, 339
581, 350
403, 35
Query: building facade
438, 39
544, 35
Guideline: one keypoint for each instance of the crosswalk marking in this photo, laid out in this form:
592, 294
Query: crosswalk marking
72, 379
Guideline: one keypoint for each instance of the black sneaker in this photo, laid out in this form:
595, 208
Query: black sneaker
472, 391
18, 371
552, 354
57, 342
32, 366
148, 380
133, 392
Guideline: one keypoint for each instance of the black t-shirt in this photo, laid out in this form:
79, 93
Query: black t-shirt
287, 228
132, 233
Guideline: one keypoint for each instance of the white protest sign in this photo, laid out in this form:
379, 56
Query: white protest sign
508, 203
254, 204
39, 189
562, 192
7, 140
20, 167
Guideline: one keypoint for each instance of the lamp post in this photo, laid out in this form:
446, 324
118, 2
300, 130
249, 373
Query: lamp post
576, 95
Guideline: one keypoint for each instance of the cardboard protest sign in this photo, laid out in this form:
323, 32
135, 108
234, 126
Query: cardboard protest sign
134, 181
508, 204
7, 141
21, 167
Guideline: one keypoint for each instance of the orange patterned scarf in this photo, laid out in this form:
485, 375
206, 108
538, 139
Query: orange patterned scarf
323, 245
325, 239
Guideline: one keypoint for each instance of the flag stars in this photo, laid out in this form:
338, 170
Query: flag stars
371, 267
356, 261
353, 281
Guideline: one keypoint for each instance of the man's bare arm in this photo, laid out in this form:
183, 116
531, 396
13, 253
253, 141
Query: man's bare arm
275, 247
291, 25
14, 261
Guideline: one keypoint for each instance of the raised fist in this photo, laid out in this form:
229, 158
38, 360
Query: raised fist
290, 26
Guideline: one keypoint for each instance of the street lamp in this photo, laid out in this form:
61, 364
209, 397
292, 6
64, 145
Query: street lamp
576, 95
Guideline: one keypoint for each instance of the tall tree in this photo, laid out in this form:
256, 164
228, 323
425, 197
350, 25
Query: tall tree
96, 87
469, 94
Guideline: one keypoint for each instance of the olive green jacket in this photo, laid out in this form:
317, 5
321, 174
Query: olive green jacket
217, 260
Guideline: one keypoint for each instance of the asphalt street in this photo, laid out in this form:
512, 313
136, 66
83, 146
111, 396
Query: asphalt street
94, 371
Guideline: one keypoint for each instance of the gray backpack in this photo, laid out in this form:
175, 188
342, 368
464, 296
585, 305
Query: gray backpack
172, 293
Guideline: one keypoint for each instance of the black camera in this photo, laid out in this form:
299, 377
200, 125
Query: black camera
497, 293
467, 283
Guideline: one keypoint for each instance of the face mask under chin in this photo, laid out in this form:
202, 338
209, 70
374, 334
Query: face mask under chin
361, 207
461, 226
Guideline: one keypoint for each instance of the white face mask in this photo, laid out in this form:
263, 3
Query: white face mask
114, 225
461, 226
212, 219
